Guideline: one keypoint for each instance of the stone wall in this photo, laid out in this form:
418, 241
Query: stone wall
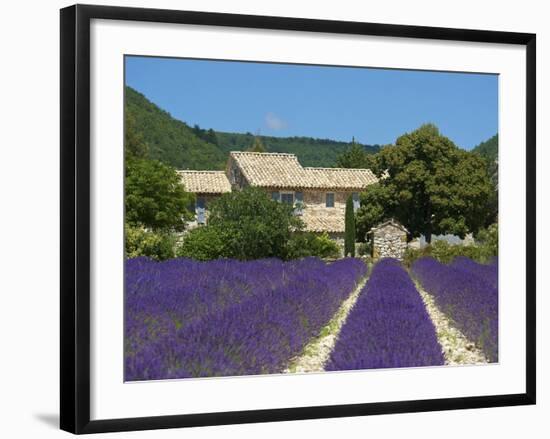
315, 202
389, 242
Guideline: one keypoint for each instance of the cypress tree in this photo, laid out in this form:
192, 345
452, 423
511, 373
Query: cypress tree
349, 234
258, 145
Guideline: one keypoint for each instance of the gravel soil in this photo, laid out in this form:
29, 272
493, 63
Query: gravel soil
317, 352
457, 349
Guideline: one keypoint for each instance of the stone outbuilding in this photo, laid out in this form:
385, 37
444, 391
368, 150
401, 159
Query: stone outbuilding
389, 240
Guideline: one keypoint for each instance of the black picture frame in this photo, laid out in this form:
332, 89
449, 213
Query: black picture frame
75, 217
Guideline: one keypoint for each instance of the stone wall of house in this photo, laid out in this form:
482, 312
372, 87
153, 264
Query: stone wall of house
235, 176
315, 202
389, 242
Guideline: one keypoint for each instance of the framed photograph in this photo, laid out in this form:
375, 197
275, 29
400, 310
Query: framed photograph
275, 218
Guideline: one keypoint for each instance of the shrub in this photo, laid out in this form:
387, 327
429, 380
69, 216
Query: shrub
203, 244
304, 244
488, 239
142, 242
253, 225
444, 252
364, 248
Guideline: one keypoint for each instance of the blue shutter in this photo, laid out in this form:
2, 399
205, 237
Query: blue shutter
201, 215
299, 197
275, 196
200, 210
329, 200
288, 199
356, 202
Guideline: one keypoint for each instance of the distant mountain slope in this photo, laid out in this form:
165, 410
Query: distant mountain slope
310, 151
170, 140
181, 146
489, 151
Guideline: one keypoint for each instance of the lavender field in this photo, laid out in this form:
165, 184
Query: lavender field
467, 292
185, 318
389, 326
197, 319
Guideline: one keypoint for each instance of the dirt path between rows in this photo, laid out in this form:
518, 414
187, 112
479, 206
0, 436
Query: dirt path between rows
316, 353
457, 349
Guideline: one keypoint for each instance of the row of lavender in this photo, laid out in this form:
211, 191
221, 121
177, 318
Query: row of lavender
467, 292
193, 319
388, 327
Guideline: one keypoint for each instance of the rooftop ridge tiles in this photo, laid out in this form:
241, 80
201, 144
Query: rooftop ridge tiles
287, 154
196, 171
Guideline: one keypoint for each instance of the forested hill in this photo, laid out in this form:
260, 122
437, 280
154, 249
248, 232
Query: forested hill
489, 151
183, 147
170, 140
310, 151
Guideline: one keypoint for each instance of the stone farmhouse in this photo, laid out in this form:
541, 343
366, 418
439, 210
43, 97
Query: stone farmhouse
318, 194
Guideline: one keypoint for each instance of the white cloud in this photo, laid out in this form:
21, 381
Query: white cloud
274, 122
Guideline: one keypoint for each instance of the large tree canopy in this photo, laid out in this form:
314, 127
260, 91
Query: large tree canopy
154, 197
429, 185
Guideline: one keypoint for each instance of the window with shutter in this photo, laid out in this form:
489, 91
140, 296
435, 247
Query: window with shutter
200, 210
288, 198
299, 203
330, 199
356, 202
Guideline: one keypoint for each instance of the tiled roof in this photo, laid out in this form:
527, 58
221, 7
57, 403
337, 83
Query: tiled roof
340, 178
279, 170
206, 182
389, 222
323, 223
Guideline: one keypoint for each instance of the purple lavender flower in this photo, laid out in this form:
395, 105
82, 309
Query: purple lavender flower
388, 326
195, 319
467, 292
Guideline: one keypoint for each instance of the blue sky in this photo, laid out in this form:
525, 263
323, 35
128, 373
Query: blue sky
373, 105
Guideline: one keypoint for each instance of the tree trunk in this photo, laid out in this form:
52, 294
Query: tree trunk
428, 234
428, 237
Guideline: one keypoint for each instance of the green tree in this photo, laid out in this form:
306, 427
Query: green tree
489, 151
155, 198
354, 157
210, 137
247, 225
349, 235
134, 144
430, 185
376, 206
258, 145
